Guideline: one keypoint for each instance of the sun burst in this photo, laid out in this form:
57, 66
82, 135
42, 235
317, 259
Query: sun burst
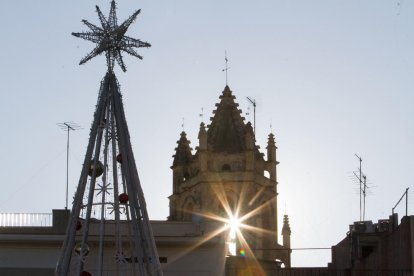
235, 227
236, 224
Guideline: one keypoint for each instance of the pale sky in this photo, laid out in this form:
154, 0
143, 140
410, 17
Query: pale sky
333, 78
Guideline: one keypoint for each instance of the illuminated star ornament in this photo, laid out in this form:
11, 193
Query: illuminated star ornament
111, 38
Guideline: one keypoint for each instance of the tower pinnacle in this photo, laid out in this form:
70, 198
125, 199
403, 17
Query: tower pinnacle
286, 231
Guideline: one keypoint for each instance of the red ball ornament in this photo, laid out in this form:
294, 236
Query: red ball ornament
123, 198
85, 273
119, 158
78, 225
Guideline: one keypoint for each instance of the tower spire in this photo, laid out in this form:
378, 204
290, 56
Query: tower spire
286, 232
109, 186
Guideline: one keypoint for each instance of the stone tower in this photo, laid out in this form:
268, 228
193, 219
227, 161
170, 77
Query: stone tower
229, 176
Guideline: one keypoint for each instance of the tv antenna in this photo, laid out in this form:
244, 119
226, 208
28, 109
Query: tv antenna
362, 179
405, 194
253, 102
68, 126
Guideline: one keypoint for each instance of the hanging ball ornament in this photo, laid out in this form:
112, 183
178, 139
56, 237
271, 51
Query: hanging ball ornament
98, 170
78, 248
78, 225
85, 273
119, 158
123, 198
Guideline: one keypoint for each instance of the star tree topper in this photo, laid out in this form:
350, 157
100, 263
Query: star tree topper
111, 38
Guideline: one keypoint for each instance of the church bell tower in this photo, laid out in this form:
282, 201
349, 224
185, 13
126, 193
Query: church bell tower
228, 178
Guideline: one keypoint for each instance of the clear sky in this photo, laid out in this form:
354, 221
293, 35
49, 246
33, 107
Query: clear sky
333, 78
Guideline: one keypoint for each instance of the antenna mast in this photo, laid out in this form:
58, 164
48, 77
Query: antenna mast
362, 179
364, 192
253, 102
405, 194
68, 126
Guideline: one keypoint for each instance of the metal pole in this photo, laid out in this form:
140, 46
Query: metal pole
254, 117
104, 190
360, 191
67, 169
365, 191
253, 102
406, 202
360, 187
68, 126
63, 265
92, 183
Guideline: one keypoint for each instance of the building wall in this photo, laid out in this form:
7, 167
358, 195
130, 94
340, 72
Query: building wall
187, 249
27, 271
376, 250
396, 248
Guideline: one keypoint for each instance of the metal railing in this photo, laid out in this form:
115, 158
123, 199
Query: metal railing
26, 220
339, 272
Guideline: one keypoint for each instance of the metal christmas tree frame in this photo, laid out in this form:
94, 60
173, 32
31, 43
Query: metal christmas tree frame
109, 232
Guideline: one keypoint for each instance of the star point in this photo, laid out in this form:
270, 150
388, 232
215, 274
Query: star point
111, 39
